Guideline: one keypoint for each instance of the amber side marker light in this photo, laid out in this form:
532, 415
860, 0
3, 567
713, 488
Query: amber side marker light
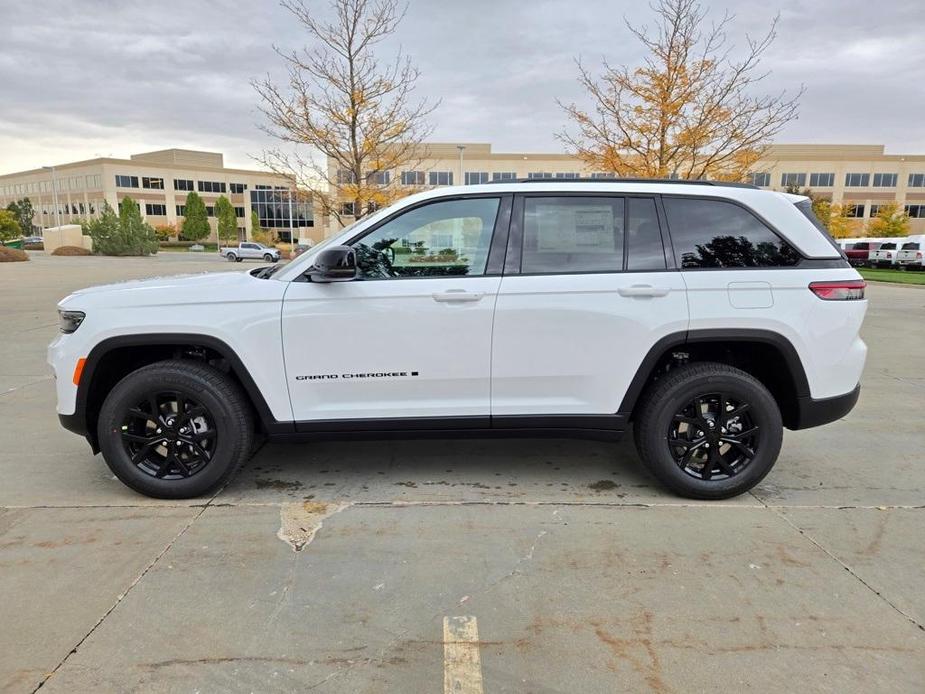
78, 370
842, 290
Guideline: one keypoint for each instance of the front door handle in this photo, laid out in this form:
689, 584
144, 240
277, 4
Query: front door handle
455, 295
643, 290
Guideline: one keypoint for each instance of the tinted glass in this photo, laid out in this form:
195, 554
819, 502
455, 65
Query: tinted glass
643, 238
442, 239
713, 233
571, 234
888, 247
910, 246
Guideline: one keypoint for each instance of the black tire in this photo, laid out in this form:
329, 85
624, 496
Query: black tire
238, 260
267, 257
231, 258
668, 406
222, 412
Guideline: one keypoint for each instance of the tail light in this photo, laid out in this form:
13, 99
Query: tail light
918, 256
889, 255
843, 290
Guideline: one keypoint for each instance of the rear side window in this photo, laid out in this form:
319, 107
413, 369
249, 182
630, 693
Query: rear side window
714, 233
643, 238
910, 246
572, 235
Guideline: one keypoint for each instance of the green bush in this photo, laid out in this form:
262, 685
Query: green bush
125, 234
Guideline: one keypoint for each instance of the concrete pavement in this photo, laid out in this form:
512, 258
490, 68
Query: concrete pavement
576, 570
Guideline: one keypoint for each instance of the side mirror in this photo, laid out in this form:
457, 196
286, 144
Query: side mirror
335, 264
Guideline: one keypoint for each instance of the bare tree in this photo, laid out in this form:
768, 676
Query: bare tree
688, 111
341, 101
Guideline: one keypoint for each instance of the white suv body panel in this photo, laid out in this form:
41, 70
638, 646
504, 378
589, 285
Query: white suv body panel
233, 307
435, 331
571, 344
823, 333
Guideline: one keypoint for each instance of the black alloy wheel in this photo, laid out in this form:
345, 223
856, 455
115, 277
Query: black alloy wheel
169, 435
713, 437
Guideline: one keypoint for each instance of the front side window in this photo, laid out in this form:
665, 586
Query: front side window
714, 233
443, 239
565, 235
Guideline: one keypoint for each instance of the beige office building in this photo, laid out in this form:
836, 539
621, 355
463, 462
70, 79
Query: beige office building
863, 176
159, 182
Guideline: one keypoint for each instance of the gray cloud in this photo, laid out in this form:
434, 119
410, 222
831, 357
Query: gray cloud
115, 77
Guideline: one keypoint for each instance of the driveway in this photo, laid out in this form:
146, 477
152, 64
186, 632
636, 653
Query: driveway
499, 566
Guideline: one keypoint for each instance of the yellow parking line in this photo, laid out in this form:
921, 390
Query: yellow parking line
462, 665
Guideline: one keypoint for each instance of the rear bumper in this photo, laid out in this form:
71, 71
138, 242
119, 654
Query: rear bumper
816, 412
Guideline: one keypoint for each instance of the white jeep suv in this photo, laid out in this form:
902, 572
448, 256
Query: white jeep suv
707, 315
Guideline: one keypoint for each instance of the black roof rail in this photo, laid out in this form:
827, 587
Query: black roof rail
616, 179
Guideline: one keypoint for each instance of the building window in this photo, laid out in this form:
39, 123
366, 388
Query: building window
237, 187
854, 211
504, 176
916, 211
874, 210
412, 178
210, 210
885, 180
347, 209
713, 233
126, 181
857, 180
181, 210
379, 178
211, 186
153, 183
345, 177
821, 180
276, 210
569, 175
795, 180
917, 180
440, 178
474, 178
762, 179
239, 212
602, 174
155, 209
539, 174
182, 184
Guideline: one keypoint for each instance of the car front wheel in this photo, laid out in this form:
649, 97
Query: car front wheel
175, 429
268, 257
708, 431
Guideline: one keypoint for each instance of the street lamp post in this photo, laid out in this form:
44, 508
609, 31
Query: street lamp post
461, 149
54, 191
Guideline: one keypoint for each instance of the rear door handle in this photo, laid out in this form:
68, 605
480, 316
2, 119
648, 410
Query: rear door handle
457, 295
643, 290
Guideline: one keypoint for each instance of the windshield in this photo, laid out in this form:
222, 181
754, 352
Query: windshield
910, 246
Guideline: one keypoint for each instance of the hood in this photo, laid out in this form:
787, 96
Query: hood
201, 288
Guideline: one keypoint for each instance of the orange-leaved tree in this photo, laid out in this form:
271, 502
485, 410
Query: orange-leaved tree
690, 110
345, 103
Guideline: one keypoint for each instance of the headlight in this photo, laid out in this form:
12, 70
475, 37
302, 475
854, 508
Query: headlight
69, 321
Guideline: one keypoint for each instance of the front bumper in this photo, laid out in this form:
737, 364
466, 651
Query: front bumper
813, 412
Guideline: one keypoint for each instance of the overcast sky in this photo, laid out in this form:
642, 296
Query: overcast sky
84, 78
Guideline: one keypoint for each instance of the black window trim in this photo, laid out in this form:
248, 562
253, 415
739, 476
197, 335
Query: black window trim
494, 265
512, 265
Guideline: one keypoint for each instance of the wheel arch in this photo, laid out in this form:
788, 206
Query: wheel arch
768, 356
115, 357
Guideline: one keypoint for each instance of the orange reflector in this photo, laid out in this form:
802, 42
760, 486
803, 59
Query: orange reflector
78, 370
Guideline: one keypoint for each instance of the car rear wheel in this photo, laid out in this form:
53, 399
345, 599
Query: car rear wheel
708, 431
231, 257
175, 429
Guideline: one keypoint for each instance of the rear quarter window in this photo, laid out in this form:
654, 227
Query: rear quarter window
719, 234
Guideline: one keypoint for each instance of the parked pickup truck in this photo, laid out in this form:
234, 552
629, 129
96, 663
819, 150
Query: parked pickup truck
886, 255
250, 250
858, 254
910, 253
